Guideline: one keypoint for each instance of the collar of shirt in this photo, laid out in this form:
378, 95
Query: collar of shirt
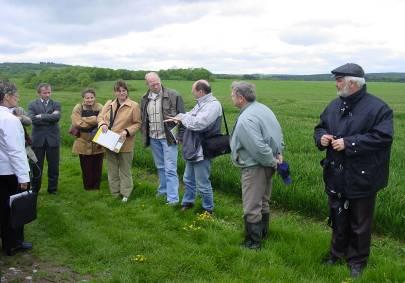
10, 110
202, 99
246, 106
6, 109
153, 95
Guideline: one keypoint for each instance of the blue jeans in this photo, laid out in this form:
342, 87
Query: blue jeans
197, 178
165, 158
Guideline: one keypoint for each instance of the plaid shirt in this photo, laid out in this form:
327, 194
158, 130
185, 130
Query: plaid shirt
154, 107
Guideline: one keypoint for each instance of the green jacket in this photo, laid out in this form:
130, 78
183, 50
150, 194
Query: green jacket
257, 137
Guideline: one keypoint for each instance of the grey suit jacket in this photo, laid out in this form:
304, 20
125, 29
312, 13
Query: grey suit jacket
45, 128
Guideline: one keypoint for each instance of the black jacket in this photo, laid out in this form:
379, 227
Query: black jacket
172, 104
365, 123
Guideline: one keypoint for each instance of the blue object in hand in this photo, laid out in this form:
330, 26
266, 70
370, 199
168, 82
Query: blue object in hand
283, 170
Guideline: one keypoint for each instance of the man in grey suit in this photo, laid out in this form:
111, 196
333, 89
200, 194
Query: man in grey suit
45, 115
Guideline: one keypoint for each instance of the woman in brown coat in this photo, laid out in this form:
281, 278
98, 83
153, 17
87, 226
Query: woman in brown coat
84, 118
122, 116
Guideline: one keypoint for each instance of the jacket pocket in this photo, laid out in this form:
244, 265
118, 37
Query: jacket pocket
363, 174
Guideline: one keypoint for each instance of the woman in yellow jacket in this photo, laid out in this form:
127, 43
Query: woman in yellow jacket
122, 116
84, 118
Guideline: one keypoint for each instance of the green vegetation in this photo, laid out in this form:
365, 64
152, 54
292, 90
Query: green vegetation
144, 240
79, 77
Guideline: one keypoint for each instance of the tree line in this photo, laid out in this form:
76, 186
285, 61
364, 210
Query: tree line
73, 77
63, 76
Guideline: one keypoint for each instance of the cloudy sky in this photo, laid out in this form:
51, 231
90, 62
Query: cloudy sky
224, 36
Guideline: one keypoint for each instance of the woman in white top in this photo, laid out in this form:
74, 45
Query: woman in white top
14, 169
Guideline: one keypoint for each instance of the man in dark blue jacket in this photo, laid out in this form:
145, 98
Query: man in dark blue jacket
356, 129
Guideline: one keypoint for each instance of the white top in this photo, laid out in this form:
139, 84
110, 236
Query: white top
13, 158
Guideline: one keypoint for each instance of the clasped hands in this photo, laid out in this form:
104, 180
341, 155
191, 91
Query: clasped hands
337, 144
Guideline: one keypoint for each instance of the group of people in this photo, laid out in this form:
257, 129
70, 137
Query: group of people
355, 129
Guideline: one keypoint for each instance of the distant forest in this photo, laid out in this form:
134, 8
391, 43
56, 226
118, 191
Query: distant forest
63, 76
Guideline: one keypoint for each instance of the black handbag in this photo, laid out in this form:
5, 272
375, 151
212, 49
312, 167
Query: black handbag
23, 208
217, 145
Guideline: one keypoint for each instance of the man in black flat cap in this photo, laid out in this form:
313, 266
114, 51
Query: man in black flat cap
356, 130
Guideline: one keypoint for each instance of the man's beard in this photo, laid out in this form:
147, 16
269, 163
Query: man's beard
344, 92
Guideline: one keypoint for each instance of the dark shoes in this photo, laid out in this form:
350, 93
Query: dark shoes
356, 271
331, 260
253, 236
265, 225
186, 206
53, 192
24, 246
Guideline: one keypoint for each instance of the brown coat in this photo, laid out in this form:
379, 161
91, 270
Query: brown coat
128, 118
83, 144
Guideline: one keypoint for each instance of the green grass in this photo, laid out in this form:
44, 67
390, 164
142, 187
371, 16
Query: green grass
92, 233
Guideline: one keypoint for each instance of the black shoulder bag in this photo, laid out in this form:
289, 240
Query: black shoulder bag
217, 145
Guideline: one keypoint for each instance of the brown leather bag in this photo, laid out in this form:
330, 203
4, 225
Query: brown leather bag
74, 131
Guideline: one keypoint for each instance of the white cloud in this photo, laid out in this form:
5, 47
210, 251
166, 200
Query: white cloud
256, 36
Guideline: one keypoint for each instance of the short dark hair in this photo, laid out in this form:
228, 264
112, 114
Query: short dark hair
120, 83
201, 85
88, 90
42, 85
6, 87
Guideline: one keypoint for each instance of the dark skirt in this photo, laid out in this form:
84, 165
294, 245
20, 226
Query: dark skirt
91, 170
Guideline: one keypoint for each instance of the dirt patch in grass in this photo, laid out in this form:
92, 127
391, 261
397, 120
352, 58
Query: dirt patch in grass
24, 267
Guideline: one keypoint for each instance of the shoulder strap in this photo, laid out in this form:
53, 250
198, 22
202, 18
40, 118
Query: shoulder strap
112, 114
111, 117
226, 125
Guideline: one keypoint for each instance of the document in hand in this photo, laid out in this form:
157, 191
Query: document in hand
174, 132
110, 140
23, 208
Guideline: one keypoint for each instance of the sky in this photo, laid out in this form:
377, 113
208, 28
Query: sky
224, 36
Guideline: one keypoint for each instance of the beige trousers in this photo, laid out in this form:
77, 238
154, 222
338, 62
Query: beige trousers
256, 191
119, 172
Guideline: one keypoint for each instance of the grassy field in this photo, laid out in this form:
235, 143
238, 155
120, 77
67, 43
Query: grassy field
144, 240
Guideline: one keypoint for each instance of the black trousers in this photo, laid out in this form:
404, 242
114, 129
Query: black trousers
92, 166
351, 224
52, 156
10, 237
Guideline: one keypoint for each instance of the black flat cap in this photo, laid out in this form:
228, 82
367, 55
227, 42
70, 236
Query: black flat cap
348, 69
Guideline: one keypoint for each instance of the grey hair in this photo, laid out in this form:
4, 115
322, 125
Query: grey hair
358, 81
244, 89
6, 87
151, 74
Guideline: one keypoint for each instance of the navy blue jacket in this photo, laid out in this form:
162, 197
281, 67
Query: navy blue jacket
365, 123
